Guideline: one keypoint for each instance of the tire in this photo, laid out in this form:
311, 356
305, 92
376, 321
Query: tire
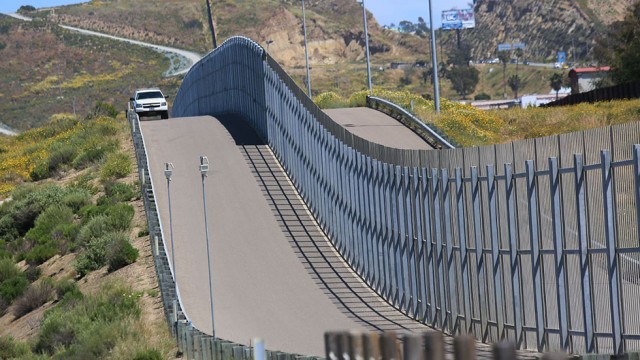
164, 115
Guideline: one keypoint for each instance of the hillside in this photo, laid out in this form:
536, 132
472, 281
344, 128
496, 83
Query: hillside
48, 70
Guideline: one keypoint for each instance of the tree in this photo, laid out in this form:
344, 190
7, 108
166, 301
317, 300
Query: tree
463, 79
459, 56
556, 83
407, 26
26, 9
620, 47
515, 84
421, 28
504, 57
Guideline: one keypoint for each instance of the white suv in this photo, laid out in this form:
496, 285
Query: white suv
150, 102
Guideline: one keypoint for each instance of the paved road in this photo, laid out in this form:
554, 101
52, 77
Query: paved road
377, 127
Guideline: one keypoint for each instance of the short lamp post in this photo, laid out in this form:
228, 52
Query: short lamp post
204, 170
168, 172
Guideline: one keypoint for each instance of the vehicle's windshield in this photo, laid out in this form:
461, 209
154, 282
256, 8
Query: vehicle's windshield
149, 95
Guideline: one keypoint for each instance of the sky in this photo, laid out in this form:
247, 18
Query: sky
385, 11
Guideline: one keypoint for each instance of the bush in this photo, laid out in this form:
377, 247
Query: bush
96, 227
120, 216
32, 273
89, 327
10, 349
68, 289
149, 354
77, 199
40, 171
117, 166
35, 296
120, 192
102, 109
29, 201
120, 253
12, 288
40, 253
61, 154
94, 256
482, 96
330, 100
50, 224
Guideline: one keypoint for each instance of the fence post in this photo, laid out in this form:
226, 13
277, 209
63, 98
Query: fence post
451, 271
558, 242
413, 347
464, 348
532, 196
477, 229
636, 176
464, 258
495, 250
504, 350
389, 347
612, 258
513, 252
434, 345
371, 343
437, 216
587, 311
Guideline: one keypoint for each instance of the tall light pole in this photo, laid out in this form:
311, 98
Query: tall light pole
204, 170
434, 61
366, 41
168, 172
306, 49
213, 31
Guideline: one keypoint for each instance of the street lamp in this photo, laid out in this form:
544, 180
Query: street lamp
268, 42
168, 172
306, 49
204, 170
434, 62
366, 41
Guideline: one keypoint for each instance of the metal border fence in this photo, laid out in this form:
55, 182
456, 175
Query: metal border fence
535, 241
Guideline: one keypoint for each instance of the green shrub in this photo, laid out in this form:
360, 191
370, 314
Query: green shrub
120, 192
51, 224
32, 273
94, 256
88, 327
120, 216
10, 349
34, 297
61, 154
13, 287
120, 253
102, 109
330, 100
40, 171
149, 354
90, 156
40, 253
68, 289
95, 228
77, 199
29, 201
482, 96
116, 166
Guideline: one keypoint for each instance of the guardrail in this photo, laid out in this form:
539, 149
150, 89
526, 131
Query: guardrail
193, 343
535, 241
434, 138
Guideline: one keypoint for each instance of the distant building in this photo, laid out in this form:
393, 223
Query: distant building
585, 79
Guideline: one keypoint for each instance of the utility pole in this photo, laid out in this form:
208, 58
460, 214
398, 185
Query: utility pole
434, 61
366, 41
213, 31
306, 49
204, 170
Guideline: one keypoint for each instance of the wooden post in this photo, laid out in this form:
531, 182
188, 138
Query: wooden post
504, 350
464, 347
414, 347
372, 346
434, 345
389, 347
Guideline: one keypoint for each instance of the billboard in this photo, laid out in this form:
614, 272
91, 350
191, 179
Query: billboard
504, 47
562, 57
458, 19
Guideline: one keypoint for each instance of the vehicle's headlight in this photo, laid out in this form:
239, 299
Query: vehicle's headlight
138, 106
163, 104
